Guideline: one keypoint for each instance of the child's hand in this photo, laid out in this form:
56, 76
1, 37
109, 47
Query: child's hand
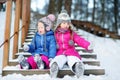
50, 59
37, 57
26, 47
90, 47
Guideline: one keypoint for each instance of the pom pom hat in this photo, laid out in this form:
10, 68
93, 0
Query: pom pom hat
48, 21
63, 17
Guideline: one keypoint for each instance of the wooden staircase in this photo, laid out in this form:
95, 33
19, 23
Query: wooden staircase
92, 65
95, 29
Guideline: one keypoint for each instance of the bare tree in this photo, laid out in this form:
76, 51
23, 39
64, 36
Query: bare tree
76, 5
51, 7
93, 13
59, 5
102, 20
115, 15
68, 6
87, 13
0, 6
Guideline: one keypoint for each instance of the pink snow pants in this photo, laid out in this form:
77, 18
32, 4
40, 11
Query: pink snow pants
33, 63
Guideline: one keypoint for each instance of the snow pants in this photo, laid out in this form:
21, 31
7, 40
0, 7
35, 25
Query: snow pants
61, 60
33, 64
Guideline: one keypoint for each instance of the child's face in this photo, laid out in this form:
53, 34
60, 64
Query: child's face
41, 28
64, 25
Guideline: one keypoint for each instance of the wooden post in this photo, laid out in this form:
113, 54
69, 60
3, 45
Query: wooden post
7, 33
16, 27
24, 20
28, 15
21, 10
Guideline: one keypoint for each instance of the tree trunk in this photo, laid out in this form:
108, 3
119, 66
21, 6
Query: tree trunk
87, 13
1, 6
93, 14
102, 20
59, 5
51, 9
68, 6
115, 15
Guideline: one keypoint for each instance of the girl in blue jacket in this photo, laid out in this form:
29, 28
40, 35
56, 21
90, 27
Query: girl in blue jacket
42, 47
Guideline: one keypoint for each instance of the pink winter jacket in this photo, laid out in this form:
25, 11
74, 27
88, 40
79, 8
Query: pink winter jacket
64, 46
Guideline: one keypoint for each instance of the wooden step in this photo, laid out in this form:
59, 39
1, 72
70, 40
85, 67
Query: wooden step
83, 55
94, 71
82, 49
29, 36
31, 33
28, 40
85, 61
32, 30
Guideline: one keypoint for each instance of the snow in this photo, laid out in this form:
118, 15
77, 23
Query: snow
107, 50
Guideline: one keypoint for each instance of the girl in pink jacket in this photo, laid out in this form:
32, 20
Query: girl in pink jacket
66, 53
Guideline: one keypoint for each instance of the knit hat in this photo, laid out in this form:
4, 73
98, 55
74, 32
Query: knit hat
48, 21
63, 17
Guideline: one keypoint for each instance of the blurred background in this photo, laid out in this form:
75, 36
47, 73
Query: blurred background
105, 13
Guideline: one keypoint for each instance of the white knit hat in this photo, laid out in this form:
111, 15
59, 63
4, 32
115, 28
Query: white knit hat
63, 17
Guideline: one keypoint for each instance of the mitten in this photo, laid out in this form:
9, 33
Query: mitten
37, 57
50, 59
26, 47
90, 48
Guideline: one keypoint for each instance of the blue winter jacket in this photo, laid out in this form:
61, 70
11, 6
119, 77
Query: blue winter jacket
43, 44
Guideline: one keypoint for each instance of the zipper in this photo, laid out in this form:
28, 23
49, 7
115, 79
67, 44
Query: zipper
63, 41
41, 41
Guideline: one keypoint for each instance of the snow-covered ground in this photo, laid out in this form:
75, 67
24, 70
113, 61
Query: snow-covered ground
107, 50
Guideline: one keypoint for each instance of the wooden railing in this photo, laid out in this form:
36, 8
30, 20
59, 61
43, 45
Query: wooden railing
95, 29
22, 6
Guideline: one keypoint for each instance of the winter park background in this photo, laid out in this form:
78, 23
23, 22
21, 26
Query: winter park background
107, 49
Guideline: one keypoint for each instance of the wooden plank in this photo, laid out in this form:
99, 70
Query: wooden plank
87, 72
16, 27
60, 74
7, 33
28, 2
31, 30
95, 63
28, 40
25, 72
83, 55
82, 49
24, 21
30, 37
31, 33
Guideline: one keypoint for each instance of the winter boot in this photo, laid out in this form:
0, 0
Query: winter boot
23, 62
39, 62
54, 70
79, 69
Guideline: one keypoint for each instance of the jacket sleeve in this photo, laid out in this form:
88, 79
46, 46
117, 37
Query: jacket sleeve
52, 47
32, 46
80, 41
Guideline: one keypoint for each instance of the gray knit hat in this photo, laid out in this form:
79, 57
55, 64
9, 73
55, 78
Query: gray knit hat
63, 17
48, 21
